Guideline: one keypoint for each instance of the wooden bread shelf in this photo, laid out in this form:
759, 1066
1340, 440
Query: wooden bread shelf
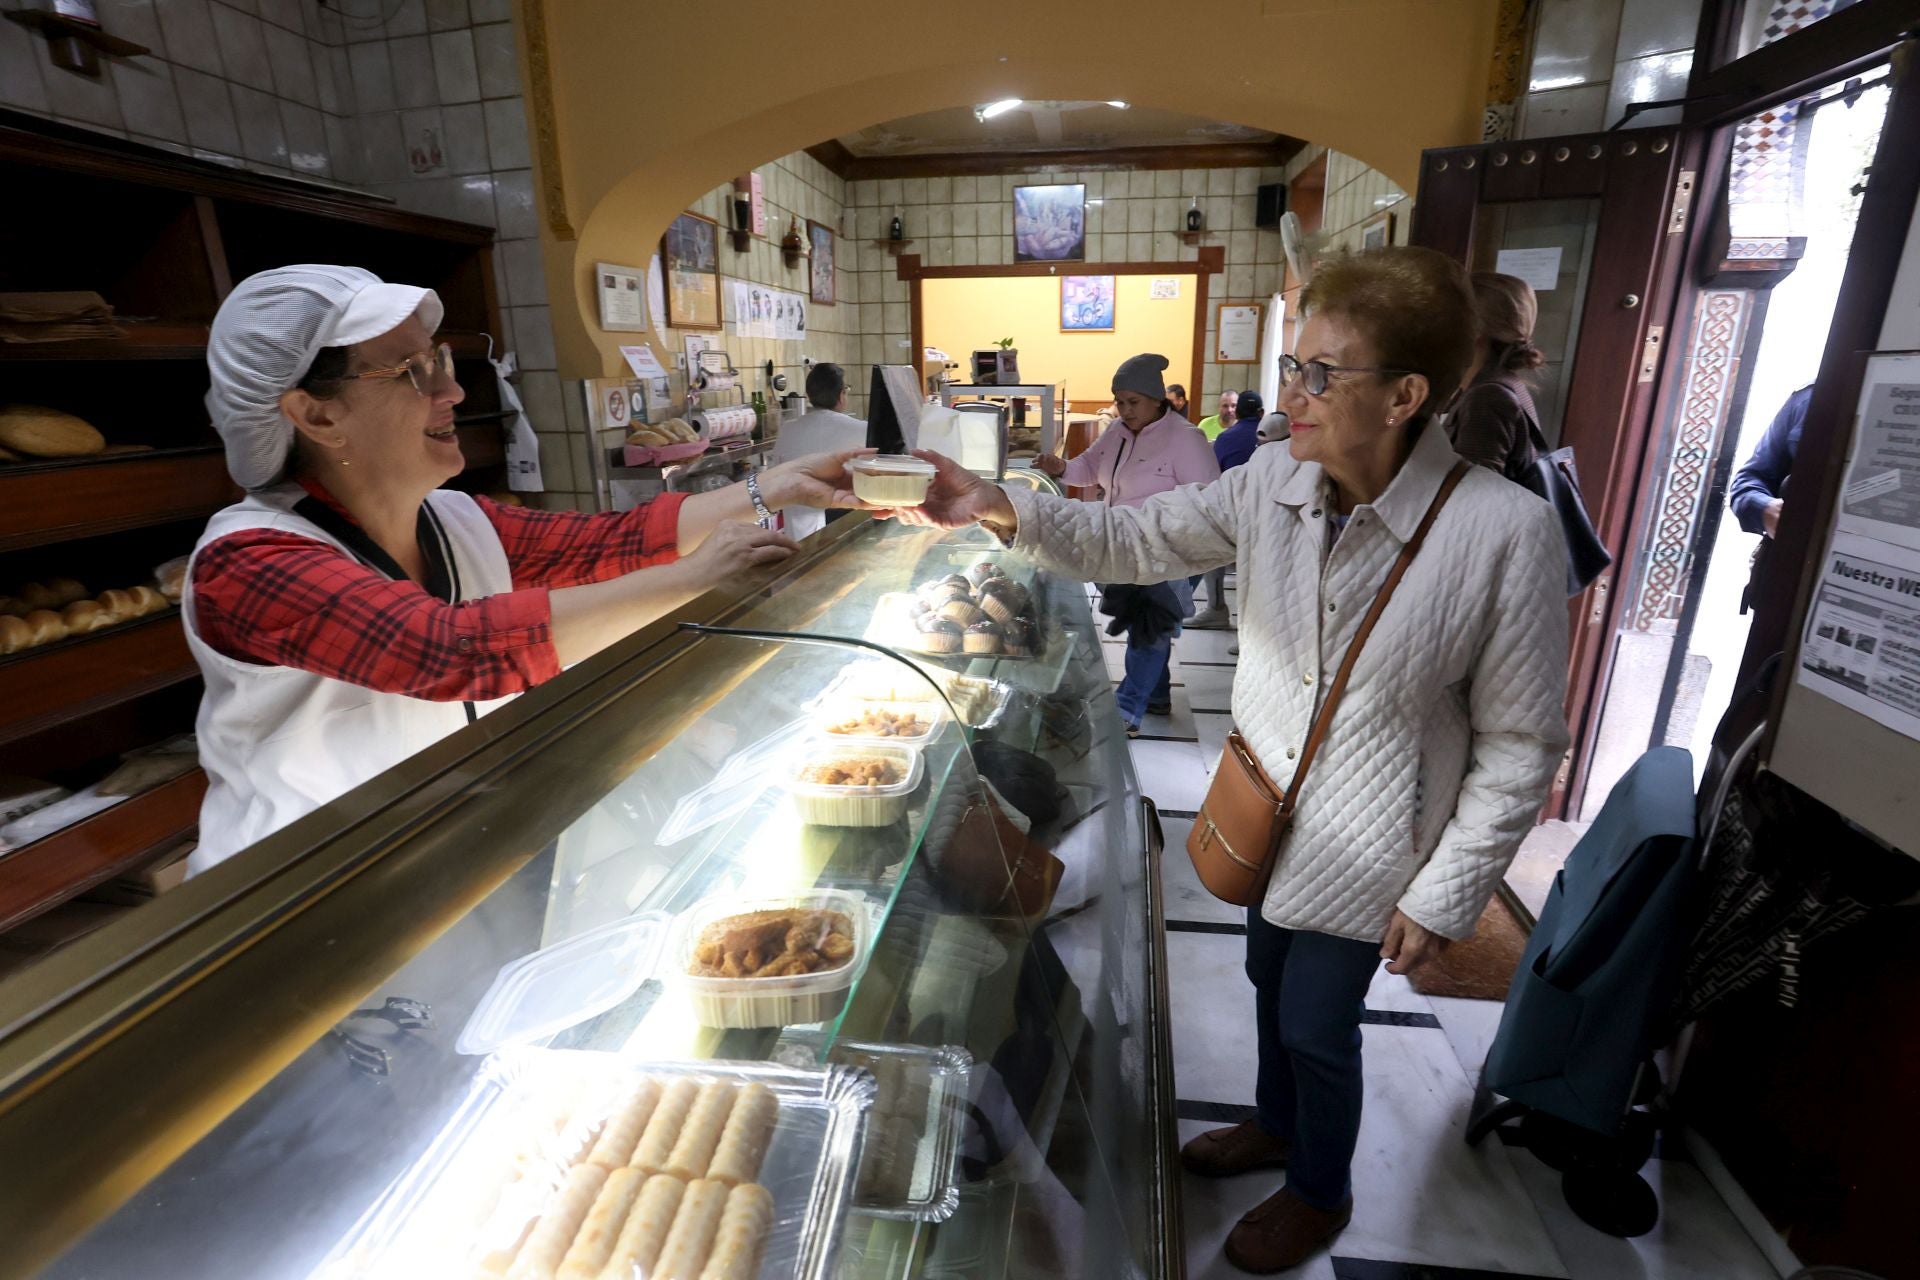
144, 340
45, 687
42, 875
42, 503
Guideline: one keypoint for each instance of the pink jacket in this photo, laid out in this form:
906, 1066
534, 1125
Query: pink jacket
1170, 452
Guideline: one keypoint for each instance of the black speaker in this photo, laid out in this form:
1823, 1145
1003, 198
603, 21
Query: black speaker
1269, 202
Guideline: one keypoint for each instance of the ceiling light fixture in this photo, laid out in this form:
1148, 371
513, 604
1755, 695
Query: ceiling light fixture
992, 109
1117, 106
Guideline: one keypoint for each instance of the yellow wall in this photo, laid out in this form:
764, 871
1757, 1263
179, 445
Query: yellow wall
652, 104
958, 316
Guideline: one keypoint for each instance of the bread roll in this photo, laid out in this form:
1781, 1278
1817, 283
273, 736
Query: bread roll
85, 615
146, 600
66, 591
119, 604
8, 455
39, 432
694, 1227
645, 1232
693, 1149
15, 634
15, 606
38, 595
47, 625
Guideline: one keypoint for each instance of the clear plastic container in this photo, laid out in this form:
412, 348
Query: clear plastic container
549, 990
790, 1000
833, 713
827, 805
895, 479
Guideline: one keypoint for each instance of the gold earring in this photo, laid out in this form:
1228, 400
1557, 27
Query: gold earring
1391, 421
345, 463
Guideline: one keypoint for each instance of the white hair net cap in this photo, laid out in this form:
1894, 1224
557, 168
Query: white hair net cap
1273, 427
265, 338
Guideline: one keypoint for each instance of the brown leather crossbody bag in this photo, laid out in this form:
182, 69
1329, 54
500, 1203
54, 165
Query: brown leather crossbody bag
1235, 840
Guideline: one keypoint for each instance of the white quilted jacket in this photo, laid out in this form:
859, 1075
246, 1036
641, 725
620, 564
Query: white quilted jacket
1445, 744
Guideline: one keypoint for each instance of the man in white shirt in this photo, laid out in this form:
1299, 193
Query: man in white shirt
824, 426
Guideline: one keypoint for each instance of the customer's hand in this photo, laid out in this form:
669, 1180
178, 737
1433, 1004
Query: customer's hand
1408, 944
733, 547
957, 498
817, 480
1770, 517
1053, 466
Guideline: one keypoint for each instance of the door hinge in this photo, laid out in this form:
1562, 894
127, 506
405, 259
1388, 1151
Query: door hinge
1682, 203
1599, 611
1564, 774
1650, 351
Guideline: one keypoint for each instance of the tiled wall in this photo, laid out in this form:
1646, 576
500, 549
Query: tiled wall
1593, 57
796, 185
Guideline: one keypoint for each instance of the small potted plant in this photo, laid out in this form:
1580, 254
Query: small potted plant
1007, 367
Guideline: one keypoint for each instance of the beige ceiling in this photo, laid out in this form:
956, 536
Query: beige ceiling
1044, 126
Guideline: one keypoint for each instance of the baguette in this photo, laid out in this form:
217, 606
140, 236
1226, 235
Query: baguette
39, 432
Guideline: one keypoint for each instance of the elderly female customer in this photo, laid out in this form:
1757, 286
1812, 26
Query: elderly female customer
1495, 424
1438, 758
1154, 449
350, 612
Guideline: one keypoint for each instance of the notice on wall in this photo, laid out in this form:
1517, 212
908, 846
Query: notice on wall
643, 362
1862, 644
1164, 288
757, 311
1881, 498
1538, 267
1239, 340
622, 297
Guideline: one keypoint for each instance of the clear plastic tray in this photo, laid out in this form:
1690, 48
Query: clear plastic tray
979, 702
917, 1117
892, 626
833, 806
555, 987
896, 478
834, 709
794, 1000
533, 1114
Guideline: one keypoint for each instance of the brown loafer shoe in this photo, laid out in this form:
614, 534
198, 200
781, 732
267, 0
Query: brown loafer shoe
1284, 1231
1221, 1153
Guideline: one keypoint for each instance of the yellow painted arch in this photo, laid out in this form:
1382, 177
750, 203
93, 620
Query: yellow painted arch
656, 102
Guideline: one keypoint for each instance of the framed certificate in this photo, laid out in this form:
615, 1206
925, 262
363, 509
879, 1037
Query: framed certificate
623, 297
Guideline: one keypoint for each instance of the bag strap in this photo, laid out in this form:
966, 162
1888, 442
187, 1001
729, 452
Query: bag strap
1321, 722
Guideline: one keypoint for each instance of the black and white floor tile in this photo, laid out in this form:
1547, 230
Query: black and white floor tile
1426, 1206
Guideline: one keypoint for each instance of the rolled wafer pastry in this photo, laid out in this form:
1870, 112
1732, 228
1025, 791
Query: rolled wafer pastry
540, 1257
693, 1150
694, 1226
663, 1129
601, 1230
742, 1236
624, 1127
744, 1142
645, 1232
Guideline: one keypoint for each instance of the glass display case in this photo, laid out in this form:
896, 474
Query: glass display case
768, 840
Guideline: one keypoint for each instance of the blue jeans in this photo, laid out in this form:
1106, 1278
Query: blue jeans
1309, 992
1149, 679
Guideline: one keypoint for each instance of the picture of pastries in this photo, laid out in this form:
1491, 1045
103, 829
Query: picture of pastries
774, 944
882, 722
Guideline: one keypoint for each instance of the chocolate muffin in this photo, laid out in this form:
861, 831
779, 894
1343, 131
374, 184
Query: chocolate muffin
940, 636
983, 570
963, 612
1002, 599
983, 637
1016, 639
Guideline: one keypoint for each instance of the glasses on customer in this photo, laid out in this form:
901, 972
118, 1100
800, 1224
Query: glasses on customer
430, 371
1313, 374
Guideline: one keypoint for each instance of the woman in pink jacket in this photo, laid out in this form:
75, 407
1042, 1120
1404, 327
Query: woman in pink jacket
1155, 449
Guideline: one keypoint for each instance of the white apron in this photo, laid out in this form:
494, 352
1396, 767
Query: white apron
278, 742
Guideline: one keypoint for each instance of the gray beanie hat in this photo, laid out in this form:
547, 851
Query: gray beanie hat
1142, 374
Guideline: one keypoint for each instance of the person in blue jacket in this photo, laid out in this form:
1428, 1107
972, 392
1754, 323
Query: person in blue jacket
1231, 448
1759, 487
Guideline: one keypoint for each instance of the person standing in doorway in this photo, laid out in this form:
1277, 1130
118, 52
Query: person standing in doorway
826, 419
1496, 424
1177, 397
1759, 489
1231, 449
1154, 450
1212, 426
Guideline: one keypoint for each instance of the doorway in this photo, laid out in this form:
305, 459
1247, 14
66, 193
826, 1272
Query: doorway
1755, 334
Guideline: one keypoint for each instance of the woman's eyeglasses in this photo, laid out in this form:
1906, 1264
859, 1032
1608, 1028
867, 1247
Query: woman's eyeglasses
430, 371
1313, 374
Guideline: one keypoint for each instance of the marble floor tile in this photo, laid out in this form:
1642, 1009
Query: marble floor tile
1186, 898
1212, 731
1178, 725
1171, 774
1396, 994
1208, 688
1205, 646
1209, 1207
1214, 1042
1420, 1193
1697, 1237
1470, 1026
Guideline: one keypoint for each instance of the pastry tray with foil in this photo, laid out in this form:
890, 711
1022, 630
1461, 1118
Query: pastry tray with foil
911, 1124
531, 1116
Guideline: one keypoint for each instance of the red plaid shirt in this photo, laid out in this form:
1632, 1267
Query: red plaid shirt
279, 599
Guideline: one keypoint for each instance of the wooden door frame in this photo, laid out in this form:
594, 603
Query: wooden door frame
1212, 261
1612, 404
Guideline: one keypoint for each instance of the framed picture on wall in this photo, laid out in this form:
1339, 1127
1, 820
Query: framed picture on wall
1377, 232
1050, 223
691, 253
1086, 304
1237, 330
820, 270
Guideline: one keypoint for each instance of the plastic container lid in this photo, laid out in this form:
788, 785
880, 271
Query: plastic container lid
556, 987
737, 785
893, 464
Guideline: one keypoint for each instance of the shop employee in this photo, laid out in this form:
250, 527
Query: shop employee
349, 612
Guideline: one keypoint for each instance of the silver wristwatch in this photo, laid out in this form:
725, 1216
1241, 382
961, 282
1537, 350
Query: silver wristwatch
761, 512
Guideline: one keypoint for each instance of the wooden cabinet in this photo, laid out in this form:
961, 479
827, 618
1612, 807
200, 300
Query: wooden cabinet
163, 239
